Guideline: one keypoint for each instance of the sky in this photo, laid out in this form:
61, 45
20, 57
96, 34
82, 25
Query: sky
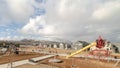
60, 19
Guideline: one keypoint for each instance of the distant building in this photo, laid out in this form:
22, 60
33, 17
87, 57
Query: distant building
56, 45
116, 46
62, 46
79, 44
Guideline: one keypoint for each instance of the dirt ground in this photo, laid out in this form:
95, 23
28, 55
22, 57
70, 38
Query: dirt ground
72, 63
13, 57
36, 66
81, 63
67, 63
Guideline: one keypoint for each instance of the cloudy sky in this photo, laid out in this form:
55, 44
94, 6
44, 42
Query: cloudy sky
65, 19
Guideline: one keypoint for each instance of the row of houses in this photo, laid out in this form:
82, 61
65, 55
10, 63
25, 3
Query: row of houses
50, 44
61, 45
79, 45
56, 45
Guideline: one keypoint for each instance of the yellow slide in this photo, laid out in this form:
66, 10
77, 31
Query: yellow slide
81, 50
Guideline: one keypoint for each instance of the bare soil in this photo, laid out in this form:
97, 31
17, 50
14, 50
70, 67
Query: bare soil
13, 57
81, 63
67, 63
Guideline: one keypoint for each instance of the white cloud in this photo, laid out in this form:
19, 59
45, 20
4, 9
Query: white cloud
68, 19
17, 11
107, 10
20, 9
74, 20
37, 26
6, 38
12, 38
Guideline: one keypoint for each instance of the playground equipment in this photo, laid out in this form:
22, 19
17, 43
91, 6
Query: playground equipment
81, 50
98, 48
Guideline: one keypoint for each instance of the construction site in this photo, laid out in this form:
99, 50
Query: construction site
98, 54
59, 33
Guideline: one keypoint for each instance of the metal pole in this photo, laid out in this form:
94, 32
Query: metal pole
11, 56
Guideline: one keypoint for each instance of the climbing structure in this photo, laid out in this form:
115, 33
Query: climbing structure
98, 48
81, 50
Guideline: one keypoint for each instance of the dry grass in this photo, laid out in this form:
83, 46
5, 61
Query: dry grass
81, 63
13, 57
